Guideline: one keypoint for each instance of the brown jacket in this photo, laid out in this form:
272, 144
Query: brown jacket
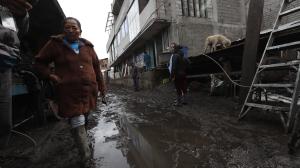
80, 75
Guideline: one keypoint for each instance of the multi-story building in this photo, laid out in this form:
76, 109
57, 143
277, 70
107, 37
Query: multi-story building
151, 25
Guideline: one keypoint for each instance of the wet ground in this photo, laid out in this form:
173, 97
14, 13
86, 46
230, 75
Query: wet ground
143, 130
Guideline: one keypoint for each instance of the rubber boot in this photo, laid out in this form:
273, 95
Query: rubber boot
81, 140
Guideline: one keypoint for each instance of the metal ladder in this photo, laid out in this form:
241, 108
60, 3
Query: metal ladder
264, 95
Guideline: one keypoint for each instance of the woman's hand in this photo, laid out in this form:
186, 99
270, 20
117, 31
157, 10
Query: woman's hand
17, 7
54, 78
103, 97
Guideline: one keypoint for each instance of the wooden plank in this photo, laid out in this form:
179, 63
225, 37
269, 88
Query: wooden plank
295, 62
293, 10
285, 46
294, 104
291, 91
274, 85
267, 107
287, 27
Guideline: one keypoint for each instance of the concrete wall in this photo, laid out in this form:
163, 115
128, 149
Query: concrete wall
148, 79
148, 13
229, 11
271, 9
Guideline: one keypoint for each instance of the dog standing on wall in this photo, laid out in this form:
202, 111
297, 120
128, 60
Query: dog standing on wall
216, 40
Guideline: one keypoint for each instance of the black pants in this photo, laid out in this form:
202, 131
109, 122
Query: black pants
180, 85
136, 84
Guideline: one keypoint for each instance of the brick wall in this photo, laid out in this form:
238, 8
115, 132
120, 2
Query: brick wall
271, 9
229, 11
194, 35
293, 17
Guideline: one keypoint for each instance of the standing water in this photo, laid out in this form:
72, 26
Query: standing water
126, 135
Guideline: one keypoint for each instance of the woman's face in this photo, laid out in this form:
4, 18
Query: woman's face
72, 30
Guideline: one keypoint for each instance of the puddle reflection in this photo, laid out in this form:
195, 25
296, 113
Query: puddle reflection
106, 153
124, 138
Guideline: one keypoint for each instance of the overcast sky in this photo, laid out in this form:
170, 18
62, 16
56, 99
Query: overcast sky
92, 14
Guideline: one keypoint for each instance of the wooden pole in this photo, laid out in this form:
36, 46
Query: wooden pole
255, 16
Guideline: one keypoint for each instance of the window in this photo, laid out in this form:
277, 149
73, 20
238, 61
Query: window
133, 20
184, 7
115, 48
123, 30
119, 37
194, 8
142, 4
111, 59
126, 26
203, 8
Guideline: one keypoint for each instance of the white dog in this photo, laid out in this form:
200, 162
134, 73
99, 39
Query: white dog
216, 40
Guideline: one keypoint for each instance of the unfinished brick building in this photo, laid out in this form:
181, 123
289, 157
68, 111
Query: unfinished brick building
138, 26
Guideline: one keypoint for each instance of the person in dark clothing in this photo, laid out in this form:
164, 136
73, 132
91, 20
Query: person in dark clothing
135, 77
178, 72
147, 61
14, 23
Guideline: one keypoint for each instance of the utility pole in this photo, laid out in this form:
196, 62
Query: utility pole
255, 16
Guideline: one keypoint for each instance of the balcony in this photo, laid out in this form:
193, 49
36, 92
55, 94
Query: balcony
154, 27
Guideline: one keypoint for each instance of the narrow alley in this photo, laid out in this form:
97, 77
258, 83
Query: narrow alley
168, 84
142, 129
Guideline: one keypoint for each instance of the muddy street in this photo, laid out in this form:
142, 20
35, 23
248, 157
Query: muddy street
143, 130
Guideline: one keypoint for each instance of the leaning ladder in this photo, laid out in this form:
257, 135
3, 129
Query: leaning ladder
286, 103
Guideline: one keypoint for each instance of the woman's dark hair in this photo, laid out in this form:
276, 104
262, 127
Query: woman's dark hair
177, 47
72, 18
